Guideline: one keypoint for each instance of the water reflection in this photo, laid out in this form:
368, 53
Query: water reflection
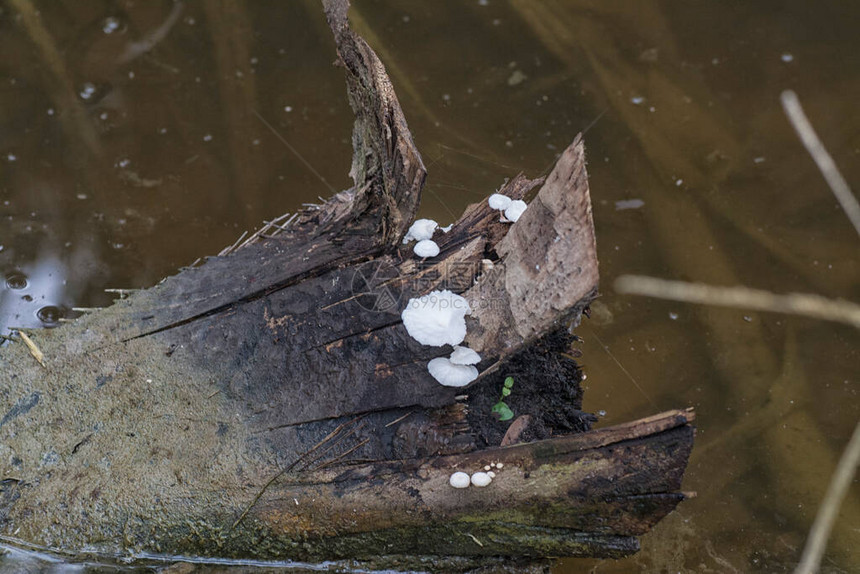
34, 295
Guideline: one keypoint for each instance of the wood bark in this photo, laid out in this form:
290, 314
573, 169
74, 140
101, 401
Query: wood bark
270, 404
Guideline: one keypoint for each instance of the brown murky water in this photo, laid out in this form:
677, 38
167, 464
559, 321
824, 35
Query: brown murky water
138, 136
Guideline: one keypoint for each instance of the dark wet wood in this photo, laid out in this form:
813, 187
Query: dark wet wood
270, 404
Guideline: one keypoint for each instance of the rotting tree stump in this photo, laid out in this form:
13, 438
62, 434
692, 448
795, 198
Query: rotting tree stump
269, 403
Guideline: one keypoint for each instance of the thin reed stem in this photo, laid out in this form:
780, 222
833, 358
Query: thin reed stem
837, 183
806, 305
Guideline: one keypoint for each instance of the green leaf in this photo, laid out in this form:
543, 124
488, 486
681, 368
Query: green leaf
509, 382
502, 411
506, 391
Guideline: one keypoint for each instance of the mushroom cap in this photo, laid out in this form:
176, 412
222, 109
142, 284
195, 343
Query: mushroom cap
499, 201
481, 479
450, 375
515, 209
420, 229
464, 356
437, 318
459, 480
426, 248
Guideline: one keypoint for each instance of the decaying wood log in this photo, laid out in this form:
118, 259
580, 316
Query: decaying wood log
270, 404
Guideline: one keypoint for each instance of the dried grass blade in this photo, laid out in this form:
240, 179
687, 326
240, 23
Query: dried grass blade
33, 348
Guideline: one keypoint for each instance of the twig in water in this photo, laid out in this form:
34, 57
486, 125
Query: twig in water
829, 509
295, 151
229, 249
623, 370
806, 305
837, 183
123, 293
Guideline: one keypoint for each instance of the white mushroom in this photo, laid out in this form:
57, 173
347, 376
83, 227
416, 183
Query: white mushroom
464, 356
459, 480
420, 229
515, 210
450, 375
481, 479
426, 248
437, 318
499, 201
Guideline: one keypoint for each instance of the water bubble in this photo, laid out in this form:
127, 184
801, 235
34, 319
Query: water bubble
207, 138
87, 91
637, 100
628, 204
50, 314
92, 93
111, 24
26, 298
288, 109
517, 77
787, 57
16, 280
673, 316
11, 157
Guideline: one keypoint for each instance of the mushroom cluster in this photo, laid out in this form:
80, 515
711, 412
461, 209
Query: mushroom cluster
512, 208
458, 370
437, 319
480, 479
421, 231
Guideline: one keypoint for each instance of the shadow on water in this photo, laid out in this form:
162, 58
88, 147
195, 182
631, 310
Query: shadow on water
137, 137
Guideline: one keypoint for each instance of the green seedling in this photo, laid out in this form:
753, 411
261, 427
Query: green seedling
501, 409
